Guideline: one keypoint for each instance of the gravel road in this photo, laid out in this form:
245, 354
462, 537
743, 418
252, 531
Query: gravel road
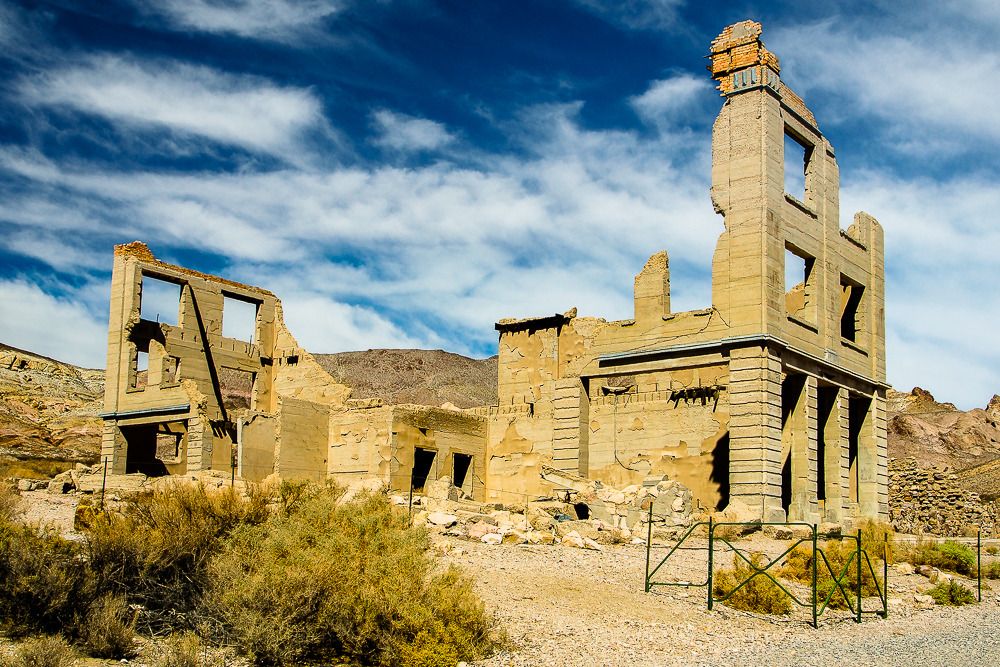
565, 606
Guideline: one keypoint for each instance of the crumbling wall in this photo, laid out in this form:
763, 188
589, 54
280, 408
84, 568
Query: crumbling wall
929, 500
302, 439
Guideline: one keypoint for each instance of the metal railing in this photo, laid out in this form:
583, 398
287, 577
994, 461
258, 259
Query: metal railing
858, 563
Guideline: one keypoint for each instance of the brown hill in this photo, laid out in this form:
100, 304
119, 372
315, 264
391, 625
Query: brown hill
48, 412
425, 377
940, 435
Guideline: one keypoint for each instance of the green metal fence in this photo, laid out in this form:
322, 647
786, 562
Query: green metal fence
858, 563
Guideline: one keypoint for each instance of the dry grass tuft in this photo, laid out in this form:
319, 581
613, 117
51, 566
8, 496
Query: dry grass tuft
759, 595
46, 651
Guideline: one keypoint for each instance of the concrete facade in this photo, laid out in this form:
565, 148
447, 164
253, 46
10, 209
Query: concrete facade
769, 404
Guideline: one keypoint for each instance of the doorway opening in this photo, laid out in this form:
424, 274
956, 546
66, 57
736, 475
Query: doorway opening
423, 466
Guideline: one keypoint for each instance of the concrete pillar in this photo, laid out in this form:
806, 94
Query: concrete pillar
755, 433
833, 425
799, 438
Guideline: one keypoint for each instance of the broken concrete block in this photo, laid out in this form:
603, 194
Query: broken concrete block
442, 489
491, 538
475, 531
59, 486
572, 539
441, 519
25, 485
514, 537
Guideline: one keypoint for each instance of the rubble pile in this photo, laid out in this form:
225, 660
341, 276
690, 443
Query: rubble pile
587, 518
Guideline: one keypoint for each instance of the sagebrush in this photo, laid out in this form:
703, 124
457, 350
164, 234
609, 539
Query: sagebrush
45, 651
952, 593
948, 555
349, 580
760, 594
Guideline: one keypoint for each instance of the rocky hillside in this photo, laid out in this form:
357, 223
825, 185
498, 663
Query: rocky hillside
48, 411
425, 377
942, 436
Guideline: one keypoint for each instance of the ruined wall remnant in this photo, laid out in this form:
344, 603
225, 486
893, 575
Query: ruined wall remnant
769, 404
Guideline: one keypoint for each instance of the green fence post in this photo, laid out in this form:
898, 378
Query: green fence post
815, 621
859, 574
649, 540
711, 530
979, 562
885, 576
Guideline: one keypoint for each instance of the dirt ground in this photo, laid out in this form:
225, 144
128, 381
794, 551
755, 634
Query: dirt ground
563, 606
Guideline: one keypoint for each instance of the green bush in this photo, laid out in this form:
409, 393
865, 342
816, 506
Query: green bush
948, 555
992, 570
798, 567
333, 580
952, 593
760, 594
157, 547
52, 651
43, 580
108, 630
992, 550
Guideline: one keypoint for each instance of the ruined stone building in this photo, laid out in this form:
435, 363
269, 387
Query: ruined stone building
770, 403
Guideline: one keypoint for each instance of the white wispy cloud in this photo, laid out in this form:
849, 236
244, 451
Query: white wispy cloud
667, 101
273, 20
243, 111
896, 74
408, 133
61, 328
636, 14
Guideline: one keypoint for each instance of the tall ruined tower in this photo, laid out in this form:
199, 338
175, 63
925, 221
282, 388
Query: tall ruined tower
785, 271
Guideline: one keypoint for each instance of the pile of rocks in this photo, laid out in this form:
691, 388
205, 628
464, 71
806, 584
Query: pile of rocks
927, 500
605, 516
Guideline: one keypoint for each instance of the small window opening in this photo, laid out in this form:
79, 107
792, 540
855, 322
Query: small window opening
463, 463
423, 462
582, 511
141, 369
798, 283
850, 309
159, 300
796, 163
171, 370
239, 318
168, 447
237, 388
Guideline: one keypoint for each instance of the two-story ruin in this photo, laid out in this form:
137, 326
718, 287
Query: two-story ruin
769, 403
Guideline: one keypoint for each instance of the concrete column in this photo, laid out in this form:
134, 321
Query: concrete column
114, 449
755, 433
834, 429
800, 438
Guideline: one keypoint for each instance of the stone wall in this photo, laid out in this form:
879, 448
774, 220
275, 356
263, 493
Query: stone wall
928, 500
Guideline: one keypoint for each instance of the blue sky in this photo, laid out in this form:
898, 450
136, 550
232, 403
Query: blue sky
403, 174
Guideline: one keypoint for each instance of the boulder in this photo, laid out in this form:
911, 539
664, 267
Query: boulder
59, 486
514, 537
441, 519
923, 601
903, 568
541, 537
572, 539
491, 538
442, 489
475, 531
25, 485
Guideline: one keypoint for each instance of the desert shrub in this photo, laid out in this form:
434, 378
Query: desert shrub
992, 570
344, 580
157, 547
33, 468
875, 534
948, 555
993, 550
952, 593
43, 580
760, 594
179, 650
798, 567
51, 651
10, 502
108, 630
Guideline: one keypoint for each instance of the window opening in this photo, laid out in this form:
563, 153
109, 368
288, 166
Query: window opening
159, 300
857, 412
239, 318
463, 462
141, 369
798, 284
171, 370
237, 387
796, 162
850, 308
423, 461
